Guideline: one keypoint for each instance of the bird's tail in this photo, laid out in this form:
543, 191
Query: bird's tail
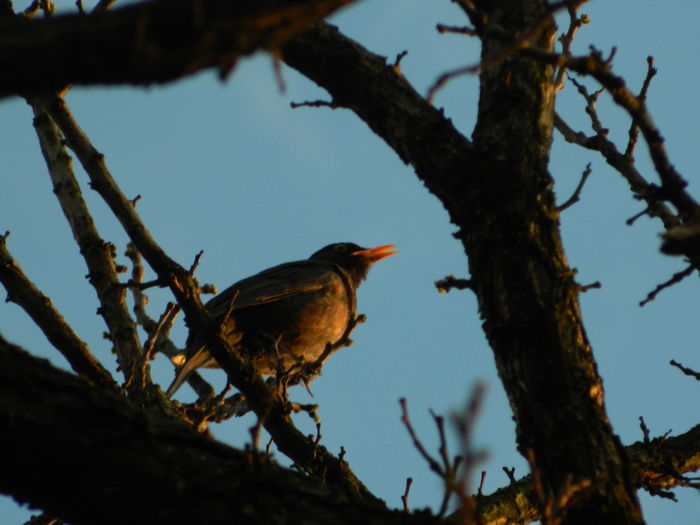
199, 358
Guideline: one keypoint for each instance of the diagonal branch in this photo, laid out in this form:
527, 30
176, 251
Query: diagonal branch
97, 253
271, 410
22, 291
673, 184
127, 452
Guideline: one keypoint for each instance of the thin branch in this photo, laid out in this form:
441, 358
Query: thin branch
577, 192
240, 372
567, 39
22, 291
98, 255
314, 104
623, 165
462, 30
450, 282
673, 184
675, 279
687, 371
404, 497
32, 54
634, 129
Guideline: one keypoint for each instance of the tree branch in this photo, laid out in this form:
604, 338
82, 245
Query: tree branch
22, 291
98, 254
146, 43
113, 449
271, 410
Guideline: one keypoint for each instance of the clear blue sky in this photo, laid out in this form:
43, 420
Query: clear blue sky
231, 169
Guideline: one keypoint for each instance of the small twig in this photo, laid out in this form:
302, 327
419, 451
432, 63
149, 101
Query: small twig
577, 192
22, 291
465, 423
642, 97
567, 39
450, 282
676, 278
623, 165
585, 287
399, 58
149, 348
687, 371
463, 30
591, 103
673, 184
645, 429
633, 219
133, 285
434, 465
404, 498
510, 472
480, 492
195, 263
314, 104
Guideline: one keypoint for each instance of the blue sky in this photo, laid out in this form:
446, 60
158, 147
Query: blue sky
229, 168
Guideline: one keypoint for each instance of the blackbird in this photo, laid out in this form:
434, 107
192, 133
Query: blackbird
291, 311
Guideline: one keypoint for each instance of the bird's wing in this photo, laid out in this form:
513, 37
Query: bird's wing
273, 284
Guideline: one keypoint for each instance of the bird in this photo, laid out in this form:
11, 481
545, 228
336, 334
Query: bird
288, 313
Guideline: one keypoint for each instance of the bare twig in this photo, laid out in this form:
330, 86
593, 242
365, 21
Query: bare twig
442, 28
314, 104
623, 165
404, 498
687, 371
591, 286
634, 129
450, 282
195, 263
676, 278
577, 192
645, 429
510, 472
406, 420
567, 39
22, 291
465, 423
673, 184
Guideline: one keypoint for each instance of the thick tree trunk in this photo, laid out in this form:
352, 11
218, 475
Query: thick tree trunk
498, 191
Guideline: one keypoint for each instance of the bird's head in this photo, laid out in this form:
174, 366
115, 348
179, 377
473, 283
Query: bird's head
353, 258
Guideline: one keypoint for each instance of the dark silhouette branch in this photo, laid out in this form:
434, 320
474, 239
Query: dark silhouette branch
22, 291
146, 43
113, 449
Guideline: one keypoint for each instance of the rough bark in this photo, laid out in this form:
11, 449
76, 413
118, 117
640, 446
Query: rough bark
147, 43
89, 457
118, 464
498, 191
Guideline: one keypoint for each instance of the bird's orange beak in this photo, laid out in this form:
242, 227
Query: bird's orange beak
376, 254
